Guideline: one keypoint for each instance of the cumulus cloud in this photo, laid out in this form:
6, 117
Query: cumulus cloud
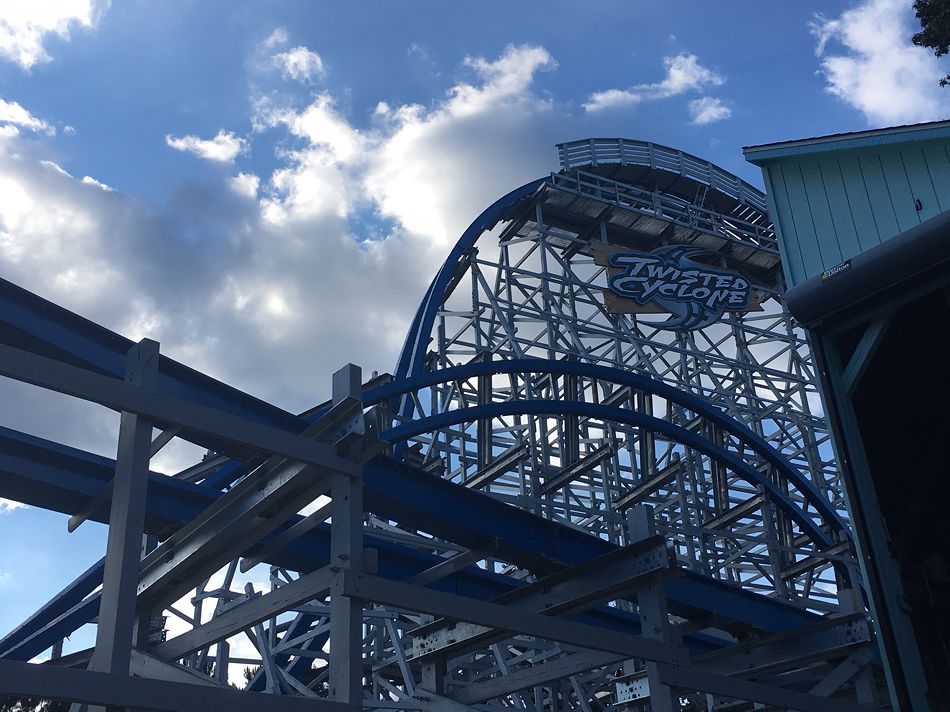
263, 280
497, 128
869, 62
12, 113
707, 110
24, 26
8, 505
275, 39
223, 148
684, 73
611, 99
89, 180
246, 184
300, 64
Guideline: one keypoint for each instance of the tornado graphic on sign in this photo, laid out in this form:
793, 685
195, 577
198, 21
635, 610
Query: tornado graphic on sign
694, 294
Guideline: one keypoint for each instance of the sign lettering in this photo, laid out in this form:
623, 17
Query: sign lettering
668, 280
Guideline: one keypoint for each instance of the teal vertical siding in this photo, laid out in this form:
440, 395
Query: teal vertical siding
830, 206
817, 197
898, 187
882, 208
858, 203
922, 184
791, 250
840, 207
938, 167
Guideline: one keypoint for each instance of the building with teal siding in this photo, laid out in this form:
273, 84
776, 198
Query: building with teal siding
863, 222
835, 197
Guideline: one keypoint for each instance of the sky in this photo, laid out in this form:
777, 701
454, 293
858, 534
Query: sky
267, 188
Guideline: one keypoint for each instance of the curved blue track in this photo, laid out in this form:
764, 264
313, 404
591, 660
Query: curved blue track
623, 378
414, 348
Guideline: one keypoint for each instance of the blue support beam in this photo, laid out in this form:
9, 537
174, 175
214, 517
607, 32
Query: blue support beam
64, 478
617, 415
522, 367
57, 606
42, 327
34, 324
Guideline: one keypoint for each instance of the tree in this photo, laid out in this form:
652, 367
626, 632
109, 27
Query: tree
934, 16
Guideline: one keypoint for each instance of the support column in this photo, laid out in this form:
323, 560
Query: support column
117, 609
483, 442
433, 674
222, 662
654, 618
346, 552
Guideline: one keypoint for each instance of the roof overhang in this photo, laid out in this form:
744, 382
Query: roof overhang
915, 258
856, 139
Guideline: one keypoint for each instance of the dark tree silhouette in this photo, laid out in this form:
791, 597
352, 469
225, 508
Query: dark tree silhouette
934, 16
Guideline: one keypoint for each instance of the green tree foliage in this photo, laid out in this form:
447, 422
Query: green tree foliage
934, 16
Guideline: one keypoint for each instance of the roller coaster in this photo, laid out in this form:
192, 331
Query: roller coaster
562, 498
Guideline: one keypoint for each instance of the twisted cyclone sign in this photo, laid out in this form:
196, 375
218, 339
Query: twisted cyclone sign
667, 280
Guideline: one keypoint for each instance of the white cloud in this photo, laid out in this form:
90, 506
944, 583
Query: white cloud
875, 68
708, 109
89, 180
246, 184
263, 281
611, 99
300, 64
502, 79
24, 25
315, 182
418, 50
321, 125
8, 505
223, 148
684, 73
490, 136
275, 39
12, 113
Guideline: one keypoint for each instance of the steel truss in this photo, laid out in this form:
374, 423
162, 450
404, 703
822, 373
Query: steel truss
547, 508
530, 289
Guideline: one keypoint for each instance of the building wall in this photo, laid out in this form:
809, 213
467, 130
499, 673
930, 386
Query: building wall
831, 206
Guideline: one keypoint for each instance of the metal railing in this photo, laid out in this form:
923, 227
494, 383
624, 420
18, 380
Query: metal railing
597, 151
655, 204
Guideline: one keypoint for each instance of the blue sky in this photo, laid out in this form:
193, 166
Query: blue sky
266, 188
